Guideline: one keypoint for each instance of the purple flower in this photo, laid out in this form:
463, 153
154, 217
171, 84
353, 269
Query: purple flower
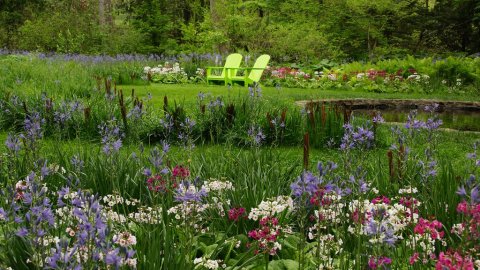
431, 108
475, 195
44, 171
147, 172
461, 191
116, 145
135, 113
256, 134
111, 137
307, 184
113, 258
77, 163
378, 119
187, 192
166, 147
156, 158
3, 214
22, 232
433, 124
13, 143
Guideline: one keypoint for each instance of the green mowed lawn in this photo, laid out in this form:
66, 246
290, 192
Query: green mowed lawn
187, 94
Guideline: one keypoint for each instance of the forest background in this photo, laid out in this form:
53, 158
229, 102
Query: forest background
290, 30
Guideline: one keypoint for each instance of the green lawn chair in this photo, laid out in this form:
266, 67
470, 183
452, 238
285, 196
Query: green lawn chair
254, 74
232, 63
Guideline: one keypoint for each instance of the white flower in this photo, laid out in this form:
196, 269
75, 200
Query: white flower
125, 239
407, 190
332, 77
272, 207
217, 185
414, 76
131, 262
207, 263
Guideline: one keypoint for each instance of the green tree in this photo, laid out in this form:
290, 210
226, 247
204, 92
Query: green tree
12, 15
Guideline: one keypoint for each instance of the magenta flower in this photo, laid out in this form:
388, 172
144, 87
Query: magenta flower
180, 172
235, 214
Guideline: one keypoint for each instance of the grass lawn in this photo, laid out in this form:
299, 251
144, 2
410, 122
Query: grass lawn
187, 93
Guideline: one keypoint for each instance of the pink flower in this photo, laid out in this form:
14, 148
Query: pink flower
453, 261
462, 207
235, 214
433, 228
374, 263
266, 236
181, 172
381, 199
414, 258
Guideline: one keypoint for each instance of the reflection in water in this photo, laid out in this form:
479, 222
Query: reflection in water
460, 120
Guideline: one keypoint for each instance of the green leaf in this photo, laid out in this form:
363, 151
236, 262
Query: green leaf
283, 265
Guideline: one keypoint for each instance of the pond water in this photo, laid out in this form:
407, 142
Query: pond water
459, 120
459, 115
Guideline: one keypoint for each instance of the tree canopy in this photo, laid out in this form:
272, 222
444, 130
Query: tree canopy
290, 30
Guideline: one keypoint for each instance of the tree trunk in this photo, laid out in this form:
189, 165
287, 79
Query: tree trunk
105, 12
108, 12
216, 9
101, 12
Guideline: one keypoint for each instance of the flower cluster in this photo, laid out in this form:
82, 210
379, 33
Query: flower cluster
272, 207
218, 186
234, 214
256, 135
360, 137
329, 207
266, 236
379, 262
66, 111
426, 235
147, 215
180, 172
327, 247
166, 73
87, 224
382, 220
157, 184
188, 192
469, 229
111, 136
207, 263
454, 260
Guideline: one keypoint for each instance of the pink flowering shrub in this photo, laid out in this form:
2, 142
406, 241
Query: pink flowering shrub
379, 262
425, 235
265, 237
454, 261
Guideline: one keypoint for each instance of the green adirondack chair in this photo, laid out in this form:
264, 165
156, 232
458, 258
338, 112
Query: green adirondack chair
232, 63
254, 74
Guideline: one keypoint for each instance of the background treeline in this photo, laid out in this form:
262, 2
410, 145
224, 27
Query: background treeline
289, 30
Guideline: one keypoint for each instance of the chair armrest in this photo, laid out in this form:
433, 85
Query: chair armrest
214, 67
246, 68
209, 70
